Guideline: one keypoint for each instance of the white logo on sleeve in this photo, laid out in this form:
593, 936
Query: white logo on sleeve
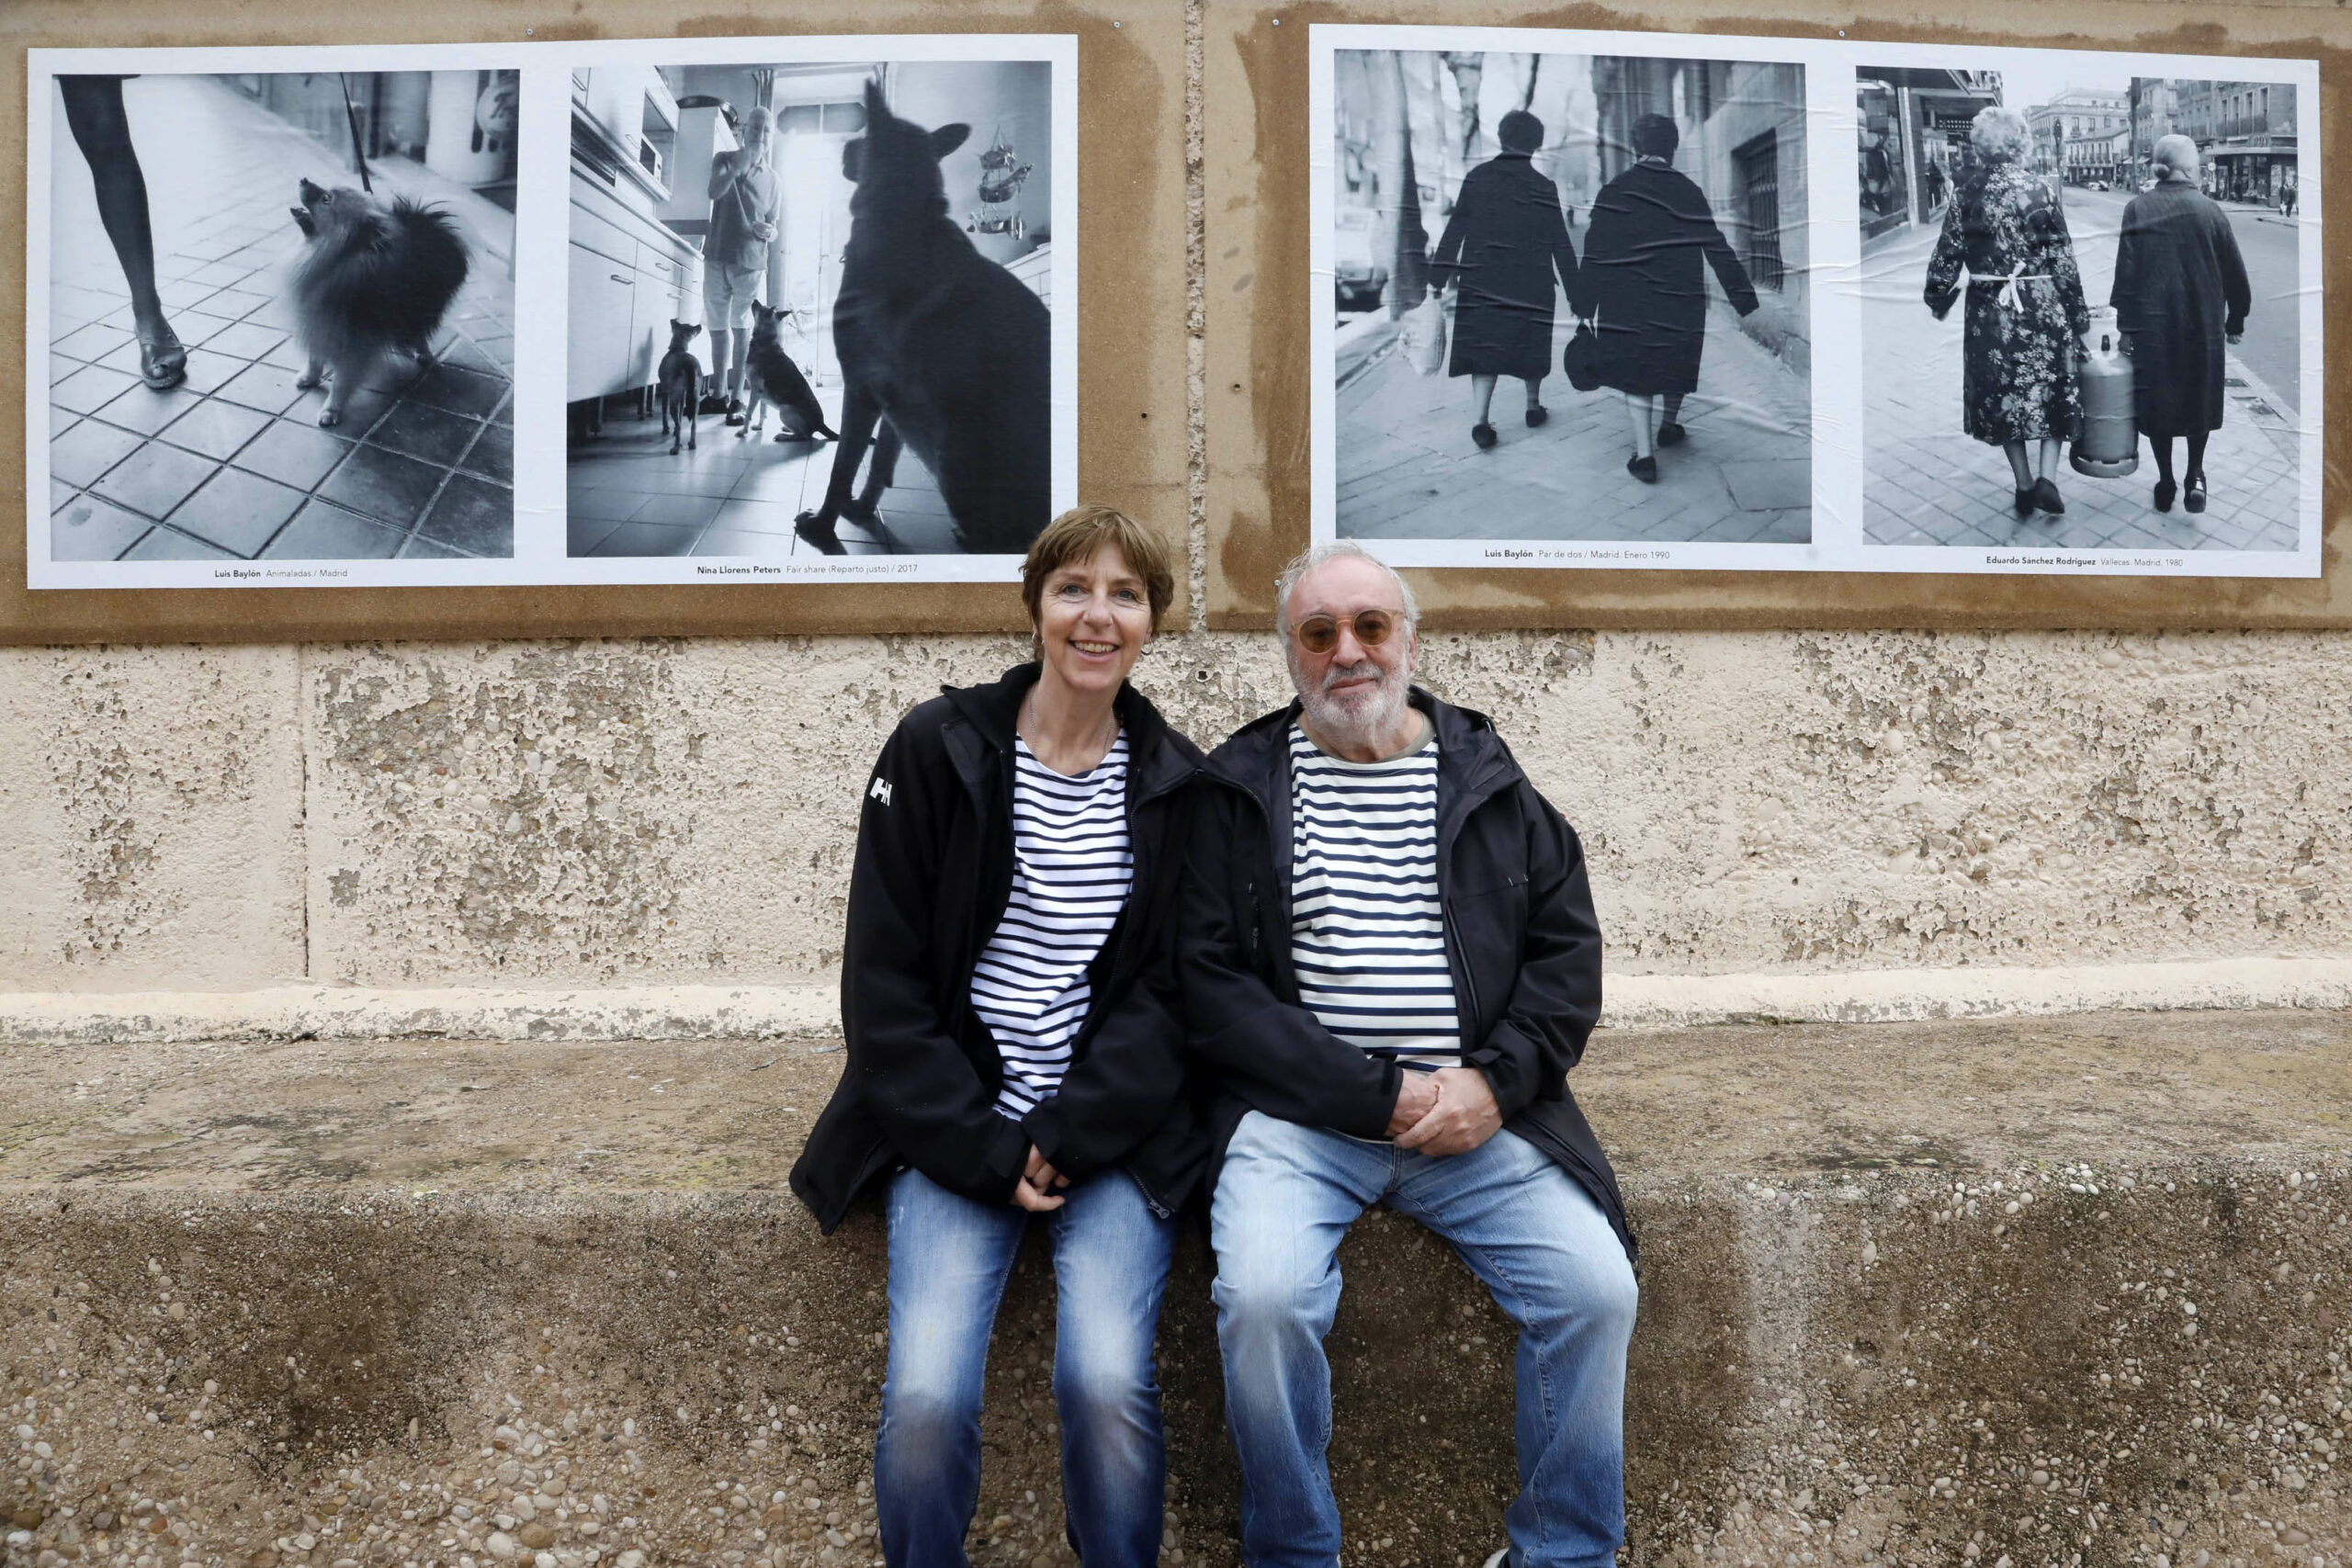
880, 791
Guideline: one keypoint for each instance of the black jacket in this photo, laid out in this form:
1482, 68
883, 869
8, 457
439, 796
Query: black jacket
1520, 936
933, 875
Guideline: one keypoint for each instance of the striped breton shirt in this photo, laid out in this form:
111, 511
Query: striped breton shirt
1071, 865
1367, 932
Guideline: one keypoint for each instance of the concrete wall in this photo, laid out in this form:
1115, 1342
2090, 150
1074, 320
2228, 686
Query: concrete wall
631, 813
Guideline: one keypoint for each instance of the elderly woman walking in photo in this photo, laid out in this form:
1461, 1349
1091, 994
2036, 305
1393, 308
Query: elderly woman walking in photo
1012, 1051
1505, 242
2180, 292
2006, 225
1652, 235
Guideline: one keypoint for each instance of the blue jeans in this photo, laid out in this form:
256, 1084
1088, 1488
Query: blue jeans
949, 1260
1286, 1199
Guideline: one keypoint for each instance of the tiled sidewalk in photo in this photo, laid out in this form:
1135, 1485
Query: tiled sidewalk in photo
1408, 468
1929, 483
233, 463
627, 496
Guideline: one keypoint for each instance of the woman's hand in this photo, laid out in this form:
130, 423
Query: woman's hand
1035, 1189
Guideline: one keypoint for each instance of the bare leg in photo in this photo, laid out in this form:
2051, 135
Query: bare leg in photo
1536, 412
739, 344
102, 129
2021, 469
1643, 465
2036, 474
1482, 402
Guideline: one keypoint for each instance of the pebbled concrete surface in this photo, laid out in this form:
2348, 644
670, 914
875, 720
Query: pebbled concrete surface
391, 1279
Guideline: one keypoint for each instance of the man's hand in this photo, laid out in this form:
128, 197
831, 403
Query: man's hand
1034, 1191
2235, 337
1465, 1115
1416, 1097
2123, 342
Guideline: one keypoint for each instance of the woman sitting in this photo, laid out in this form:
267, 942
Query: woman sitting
1012, 1050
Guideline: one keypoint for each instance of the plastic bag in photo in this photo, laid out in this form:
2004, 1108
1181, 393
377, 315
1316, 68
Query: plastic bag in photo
1425, 337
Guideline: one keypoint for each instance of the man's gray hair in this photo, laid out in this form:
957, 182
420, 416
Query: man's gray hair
2176, 153
1319, 555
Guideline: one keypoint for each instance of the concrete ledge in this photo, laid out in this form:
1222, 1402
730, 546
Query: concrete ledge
299, 1302
765, 1012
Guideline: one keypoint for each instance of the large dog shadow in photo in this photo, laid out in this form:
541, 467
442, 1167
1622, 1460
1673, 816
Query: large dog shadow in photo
946, 357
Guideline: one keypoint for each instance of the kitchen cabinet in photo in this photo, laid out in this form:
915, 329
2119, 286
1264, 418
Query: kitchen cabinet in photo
631, 273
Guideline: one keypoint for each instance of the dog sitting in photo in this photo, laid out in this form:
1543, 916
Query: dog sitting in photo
374, 279
679, 382
770, 378
943, 345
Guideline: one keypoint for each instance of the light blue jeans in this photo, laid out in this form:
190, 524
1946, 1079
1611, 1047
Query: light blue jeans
949, 1260
1286, 1199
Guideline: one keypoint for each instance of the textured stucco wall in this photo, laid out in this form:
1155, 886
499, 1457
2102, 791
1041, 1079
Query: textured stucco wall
598, 813
151, 819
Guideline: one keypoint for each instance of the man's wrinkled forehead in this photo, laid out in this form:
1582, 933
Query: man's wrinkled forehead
1342, 587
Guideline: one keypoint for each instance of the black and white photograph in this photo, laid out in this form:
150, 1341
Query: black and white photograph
2085, 326
280, 319
812, 308
1566, 294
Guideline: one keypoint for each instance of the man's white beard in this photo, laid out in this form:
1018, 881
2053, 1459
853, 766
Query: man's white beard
1363, 717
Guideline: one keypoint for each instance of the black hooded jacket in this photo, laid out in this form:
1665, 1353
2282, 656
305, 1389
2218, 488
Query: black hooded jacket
932, 874
1521, 939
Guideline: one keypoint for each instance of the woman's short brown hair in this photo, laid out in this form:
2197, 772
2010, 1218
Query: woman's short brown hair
1077, 534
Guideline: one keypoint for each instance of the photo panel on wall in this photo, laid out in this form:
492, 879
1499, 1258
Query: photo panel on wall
1565, 309
277, 324
822, 308
1608, 299
687, 312
2091, 318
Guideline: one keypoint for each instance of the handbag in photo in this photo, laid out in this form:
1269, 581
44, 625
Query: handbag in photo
1425, 337
1581, 359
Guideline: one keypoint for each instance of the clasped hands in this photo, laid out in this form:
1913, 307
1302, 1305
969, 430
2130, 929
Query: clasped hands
1449, 1111
1038, 1189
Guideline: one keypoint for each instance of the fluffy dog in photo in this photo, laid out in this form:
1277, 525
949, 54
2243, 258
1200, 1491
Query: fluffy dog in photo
678, 382
771, 378
939, 345
374, 279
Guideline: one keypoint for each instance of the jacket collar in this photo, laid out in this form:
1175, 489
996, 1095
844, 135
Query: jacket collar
1158, 757
1472, 761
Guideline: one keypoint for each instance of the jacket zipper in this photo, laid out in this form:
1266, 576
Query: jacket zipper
1464, 979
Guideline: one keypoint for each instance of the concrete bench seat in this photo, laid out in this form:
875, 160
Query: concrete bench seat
2060, 1291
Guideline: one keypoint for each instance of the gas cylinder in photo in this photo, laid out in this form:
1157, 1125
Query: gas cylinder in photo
2108, 446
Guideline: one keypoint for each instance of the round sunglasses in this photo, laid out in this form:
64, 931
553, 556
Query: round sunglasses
1321, 634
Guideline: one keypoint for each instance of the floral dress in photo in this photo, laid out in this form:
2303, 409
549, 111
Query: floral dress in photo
2026, 308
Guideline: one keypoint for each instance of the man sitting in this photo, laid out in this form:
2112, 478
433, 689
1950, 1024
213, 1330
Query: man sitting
1391, 961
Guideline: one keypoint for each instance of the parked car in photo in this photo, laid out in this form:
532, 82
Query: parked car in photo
1358, 279
2099, 185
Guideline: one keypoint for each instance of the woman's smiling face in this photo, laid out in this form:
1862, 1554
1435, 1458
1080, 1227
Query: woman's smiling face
1093, 620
